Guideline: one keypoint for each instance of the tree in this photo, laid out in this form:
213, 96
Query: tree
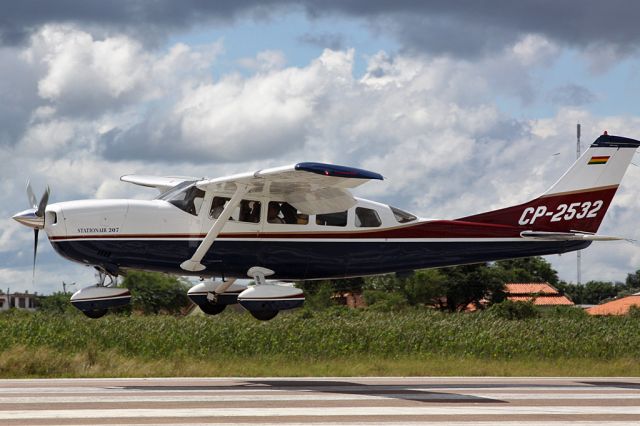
633, 281
450, 289
470, 284
527, 270
591, 293
153, 293
317, 294
57, 303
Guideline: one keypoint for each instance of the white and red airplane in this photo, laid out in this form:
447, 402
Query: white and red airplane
301, 222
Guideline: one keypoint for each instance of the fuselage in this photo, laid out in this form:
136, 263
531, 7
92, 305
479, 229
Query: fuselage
367, 239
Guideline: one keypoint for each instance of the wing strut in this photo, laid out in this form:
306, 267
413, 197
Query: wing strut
194, 264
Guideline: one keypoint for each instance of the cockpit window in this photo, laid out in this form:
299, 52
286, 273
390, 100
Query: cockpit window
185, 196
367, 218
247, 211
332, 219
402, 216
284, 213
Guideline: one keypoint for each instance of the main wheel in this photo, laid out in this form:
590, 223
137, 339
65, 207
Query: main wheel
211, 309
95, 313
264, 315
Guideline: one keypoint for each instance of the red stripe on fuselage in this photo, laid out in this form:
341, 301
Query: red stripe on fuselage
433, 229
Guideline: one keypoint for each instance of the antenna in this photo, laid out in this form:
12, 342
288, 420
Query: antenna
579, 253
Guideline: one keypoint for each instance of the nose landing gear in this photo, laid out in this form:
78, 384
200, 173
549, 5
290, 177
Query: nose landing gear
94, 301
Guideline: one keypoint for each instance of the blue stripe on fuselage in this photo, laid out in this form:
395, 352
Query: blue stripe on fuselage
296, 260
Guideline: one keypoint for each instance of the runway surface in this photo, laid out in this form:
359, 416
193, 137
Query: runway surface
282, 401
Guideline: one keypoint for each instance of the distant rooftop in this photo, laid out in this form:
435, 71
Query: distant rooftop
616, 307
540, 294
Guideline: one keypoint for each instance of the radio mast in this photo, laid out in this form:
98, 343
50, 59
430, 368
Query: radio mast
579, 253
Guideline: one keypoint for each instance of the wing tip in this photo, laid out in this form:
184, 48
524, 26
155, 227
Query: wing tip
338, 171
611, 141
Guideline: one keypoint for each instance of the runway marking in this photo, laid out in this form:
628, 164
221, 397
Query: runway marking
315, 412
285, 402
323, 397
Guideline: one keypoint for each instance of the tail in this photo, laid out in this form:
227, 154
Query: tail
580, 199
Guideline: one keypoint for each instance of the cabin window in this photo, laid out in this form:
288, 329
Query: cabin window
185, 196
367, 218
247, 211
280, 212
402, 216
332, 219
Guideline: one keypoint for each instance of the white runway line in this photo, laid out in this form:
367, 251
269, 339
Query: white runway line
403, 423
267, 388
316, 412
28, 399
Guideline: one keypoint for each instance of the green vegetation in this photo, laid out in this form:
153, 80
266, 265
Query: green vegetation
336, 341
514, 310
153, 293
413, 325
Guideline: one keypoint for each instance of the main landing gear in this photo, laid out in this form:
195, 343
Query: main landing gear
263, 300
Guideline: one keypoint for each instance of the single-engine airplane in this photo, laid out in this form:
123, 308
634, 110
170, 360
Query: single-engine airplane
301, 222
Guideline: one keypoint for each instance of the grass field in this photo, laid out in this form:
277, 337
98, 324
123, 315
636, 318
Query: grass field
330, 343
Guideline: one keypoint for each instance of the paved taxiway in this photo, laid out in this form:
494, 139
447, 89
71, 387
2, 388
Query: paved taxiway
279, 401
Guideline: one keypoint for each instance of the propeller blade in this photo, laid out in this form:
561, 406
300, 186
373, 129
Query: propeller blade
35, 251
32, 197
43, 203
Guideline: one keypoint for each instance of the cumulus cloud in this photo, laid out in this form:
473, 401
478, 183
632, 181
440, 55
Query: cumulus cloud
88, 76
429, 124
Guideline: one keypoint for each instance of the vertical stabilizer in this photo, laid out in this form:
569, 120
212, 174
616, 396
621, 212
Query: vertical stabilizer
579, 200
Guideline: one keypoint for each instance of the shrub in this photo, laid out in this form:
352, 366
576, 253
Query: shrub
565, 312
383, 301
514, 310
634, 311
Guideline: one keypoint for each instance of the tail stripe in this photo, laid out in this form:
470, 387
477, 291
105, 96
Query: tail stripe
579, 200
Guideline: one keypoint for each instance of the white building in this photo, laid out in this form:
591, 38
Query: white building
25, 301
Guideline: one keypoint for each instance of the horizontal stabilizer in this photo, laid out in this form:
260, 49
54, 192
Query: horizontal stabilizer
566, 236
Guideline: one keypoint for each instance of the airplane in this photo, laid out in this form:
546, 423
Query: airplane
301, 222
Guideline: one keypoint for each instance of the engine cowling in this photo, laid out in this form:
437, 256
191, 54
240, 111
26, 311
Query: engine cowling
271, 297
97, 299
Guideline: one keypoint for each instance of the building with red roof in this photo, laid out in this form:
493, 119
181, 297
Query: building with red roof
616, 307
540, 294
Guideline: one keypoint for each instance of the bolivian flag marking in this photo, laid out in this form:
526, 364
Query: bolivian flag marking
602, 159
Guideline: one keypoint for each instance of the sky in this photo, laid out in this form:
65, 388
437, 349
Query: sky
462, 106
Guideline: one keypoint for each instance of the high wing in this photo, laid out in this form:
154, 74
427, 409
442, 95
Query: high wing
161, 183
312, 188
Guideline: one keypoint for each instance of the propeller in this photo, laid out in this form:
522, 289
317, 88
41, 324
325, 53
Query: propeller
37, 222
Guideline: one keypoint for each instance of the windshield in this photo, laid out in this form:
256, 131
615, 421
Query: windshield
185, 196
402, 216
171, 192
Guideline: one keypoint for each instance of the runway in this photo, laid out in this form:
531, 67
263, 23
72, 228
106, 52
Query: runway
284, 401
